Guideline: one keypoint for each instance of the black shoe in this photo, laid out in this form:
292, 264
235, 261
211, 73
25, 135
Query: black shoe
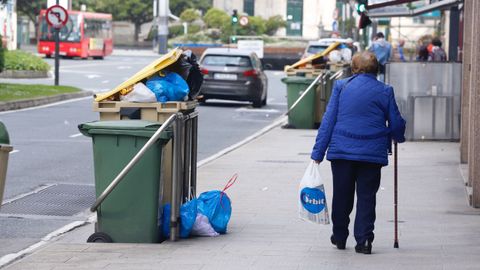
339, 244
365, 248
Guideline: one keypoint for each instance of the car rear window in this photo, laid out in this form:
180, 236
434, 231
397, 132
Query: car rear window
226, 60
313, 49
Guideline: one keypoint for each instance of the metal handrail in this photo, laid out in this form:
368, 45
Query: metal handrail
132, 162
304, 93
336, 75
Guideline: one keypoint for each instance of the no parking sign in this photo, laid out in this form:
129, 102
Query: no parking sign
57, 16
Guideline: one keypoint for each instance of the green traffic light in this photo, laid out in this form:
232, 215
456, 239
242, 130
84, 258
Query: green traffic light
361, 8
234, 19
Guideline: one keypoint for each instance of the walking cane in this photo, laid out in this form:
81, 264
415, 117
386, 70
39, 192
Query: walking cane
395, 193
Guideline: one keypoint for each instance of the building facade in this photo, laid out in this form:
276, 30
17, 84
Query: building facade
8, 24
308, 19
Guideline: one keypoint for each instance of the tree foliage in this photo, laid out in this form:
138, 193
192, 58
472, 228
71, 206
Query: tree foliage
31, 9
216, 18
189, 15
135, 11
255, 26
273, 24
178, 6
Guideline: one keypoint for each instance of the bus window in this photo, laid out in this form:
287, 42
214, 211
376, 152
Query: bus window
96, 28
69, 33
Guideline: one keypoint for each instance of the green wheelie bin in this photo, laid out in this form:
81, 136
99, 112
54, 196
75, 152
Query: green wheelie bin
129, 214
5, 149
303, 115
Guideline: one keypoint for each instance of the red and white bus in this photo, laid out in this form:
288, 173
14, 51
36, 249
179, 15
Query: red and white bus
86, 34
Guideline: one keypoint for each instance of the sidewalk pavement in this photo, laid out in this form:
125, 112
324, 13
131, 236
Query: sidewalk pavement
437, 229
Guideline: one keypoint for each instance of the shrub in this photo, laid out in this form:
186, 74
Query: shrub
273, 24
194, 28
175, 31
255, 27
216, 18
20, 60
189, 15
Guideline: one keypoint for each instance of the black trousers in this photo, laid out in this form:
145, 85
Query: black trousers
348, 177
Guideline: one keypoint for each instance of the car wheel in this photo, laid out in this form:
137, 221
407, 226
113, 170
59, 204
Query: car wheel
257, 103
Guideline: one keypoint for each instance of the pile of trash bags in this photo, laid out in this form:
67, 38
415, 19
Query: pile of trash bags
207, 215
180, 81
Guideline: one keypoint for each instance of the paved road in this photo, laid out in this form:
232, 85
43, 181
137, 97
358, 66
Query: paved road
52, 163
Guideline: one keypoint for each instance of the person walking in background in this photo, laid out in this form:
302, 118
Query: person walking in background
361, 119
437, 53
400, 56
382, 50
422, 54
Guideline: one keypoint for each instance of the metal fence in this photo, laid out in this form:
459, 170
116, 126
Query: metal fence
428, 96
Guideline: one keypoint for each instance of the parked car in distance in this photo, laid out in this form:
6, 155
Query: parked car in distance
319, 46
233, 74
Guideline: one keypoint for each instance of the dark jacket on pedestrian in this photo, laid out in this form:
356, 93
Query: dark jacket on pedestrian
361, 119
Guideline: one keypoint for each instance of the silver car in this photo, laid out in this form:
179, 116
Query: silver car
233, 74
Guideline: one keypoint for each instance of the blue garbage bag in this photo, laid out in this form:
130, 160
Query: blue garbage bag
171, 87
188, 214
217, 207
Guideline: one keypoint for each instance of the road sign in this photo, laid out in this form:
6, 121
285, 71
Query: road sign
243, 20
252, 46
57, 16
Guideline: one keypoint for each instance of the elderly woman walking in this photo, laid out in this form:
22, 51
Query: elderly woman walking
361, 119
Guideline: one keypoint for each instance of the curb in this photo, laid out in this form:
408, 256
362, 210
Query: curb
27, 103
24, 74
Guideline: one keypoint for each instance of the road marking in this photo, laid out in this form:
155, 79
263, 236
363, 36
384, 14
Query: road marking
75, 135
278, 73
257, 110
14, 151
106, 81
124, 67
93, 76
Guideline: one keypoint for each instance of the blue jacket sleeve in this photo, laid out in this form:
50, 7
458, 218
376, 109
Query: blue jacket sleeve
328, 123
396, 123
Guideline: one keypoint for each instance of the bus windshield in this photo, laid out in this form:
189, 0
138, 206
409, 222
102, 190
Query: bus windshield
69, 33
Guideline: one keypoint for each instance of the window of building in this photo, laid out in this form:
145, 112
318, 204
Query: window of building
249, 7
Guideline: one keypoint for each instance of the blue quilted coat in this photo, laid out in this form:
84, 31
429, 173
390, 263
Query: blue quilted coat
361, 119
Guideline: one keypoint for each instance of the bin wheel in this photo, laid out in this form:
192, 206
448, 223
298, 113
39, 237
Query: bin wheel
99, 237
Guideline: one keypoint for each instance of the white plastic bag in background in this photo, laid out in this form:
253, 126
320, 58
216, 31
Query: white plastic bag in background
312, 203
202, 227
140, 93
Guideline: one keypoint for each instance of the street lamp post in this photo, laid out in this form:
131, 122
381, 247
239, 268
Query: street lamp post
162, 34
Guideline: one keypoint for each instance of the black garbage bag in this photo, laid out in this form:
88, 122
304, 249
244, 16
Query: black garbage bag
195, 76
187, 67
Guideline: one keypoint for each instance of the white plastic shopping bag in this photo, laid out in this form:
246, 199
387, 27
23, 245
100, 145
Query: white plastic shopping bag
312, 204
140, 93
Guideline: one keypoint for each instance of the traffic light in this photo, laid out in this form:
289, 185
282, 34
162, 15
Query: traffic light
362, 6
234, 17
364, 21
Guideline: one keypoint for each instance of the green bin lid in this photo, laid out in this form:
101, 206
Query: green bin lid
4, 138
298, 79
138, 128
